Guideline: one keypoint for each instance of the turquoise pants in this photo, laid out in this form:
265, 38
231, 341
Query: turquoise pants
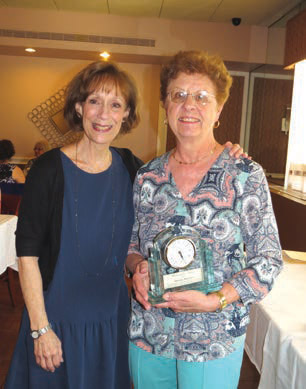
149, 371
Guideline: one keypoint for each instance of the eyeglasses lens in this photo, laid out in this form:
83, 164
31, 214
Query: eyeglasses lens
180, 96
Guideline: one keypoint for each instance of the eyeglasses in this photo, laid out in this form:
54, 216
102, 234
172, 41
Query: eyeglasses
200, 97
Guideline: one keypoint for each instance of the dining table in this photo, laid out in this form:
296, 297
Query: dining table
276, 336
8, 257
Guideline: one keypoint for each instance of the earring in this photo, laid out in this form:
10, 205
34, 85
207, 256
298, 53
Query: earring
217, 124
166, 122
79, 115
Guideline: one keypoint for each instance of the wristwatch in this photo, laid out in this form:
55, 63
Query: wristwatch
222, 301
37, 333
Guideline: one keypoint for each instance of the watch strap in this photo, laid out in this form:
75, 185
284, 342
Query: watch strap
37, 333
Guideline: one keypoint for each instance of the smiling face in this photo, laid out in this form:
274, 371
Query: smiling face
191, 120
102, 113
38, 149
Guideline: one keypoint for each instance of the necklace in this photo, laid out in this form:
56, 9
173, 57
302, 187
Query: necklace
196, 160
76, 213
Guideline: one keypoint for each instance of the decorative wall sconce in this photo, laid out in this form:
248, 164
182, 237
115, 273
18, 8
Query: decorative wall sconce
49, 119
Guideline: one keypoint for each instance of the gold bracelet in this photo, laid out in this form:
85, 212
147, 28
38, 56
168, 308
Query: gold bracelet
222, 300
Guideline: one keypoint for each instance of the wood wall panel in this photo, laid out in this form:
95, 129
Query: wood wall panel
171, 143
295, 47
291, 221
230, 119
267, 143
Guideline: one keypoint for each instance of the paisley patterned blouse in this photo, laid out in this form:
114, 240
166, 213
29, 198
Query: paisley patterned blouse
231, 209
6, 172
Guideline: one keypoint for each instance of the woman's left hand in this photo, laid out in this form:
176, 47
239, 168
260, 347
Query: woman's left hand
236, 150
189, 301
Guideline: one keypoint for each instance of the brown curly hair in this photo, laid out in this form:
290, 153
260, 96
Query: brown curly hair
191, 62
93, 77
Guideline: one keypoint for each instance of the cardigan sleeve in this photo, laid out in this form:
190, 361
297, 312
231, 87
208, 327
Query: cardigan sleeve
34, 209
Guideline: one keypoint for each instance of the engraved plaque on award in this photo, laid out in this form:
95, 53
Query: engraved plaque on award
180, 260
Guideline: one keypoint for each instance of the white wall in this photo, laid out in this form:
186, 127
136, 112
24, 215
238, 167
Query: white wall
244, 43
28, 82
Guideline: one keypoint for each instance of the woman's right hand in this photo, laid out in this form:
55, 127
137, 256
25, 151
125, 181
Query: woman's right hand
141, 283
48, 351
47, 348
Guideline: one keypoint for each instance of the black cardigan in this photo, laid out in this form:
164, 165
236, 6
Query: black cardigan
39, 225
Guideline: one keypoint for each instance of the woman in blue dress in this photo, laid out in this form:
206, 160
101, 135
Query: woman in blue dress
73, 232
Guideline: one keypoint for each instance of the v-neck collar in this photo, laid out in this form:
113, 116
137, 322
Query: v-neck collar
216, 164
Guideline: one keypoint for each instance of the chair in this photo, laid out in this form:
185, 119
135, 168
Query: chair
10, 197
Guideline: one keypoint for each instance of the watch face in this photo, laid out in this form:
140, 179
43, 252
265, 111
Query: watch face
180, 252
35, 334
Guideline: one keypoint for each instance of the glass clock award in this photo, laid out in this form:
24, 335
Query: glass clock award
180, 260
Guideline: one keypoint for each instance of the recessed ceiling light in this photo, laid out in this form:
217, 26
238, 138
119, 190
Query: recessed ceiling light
30, 50
105, 55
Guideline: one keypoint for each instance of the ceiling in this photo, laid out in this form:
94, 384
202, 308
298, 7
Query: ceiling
254, 12
270, 13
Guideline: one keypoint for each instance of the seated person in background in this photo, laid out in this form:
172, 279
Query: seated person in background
40, 147
9, 172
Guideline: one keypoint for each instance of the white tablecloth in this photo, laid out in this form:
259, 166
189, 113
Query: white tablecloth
7, 242
276, 337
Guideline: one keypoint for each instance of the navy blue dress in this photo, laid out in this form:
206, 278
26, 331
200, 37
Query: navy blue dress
87, 301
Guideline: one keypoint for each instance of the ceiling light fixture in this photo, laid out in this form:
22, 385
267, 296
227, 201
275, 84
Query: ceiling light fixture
105, 55
30, 50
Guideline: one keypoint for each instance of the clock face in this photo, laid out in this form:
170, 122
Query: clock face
180, 252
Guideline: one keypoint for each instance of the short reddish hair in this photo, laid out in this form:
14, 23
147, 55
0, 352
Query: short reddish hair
191, 62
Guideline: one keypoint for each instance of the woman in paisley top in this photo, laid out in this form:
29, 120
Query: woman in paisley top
9, 173
196, 340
